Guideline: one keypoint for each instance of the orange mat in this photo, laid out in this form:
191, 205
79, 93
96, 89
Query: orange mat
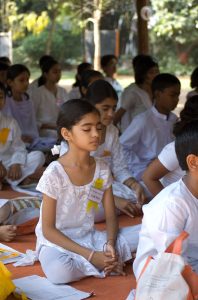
110, 288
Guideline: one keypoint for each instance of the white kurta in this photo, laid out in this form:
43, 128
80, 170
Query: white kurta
173, 210
169, 160
111, 151
46, 107
13, 151
72, 218
23, 112
134, 100
146, 136
74, 93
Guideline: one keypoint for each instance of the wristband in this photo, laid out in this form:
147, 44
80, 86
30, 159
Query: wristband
91, 255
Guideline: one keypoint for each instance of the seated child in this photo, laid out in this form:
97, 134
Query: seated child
68, 245
16, 165
175, 208
128, 193
108, 65
137, 97
165, 169
151, 130
75, 91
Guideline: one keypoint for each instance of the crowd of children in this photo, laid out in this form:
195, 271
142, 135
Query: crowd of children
100, 173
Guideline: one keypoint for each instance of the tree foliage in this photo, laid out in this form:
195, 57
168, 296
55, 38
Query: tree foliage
174, 30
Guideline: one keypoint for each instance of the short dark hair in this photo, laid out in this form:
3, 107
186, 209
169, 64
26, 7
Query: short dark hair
142, 64
188, 114
105, 60
99, 90
88, 75
186, 143
71, 112
163, 81
194, 78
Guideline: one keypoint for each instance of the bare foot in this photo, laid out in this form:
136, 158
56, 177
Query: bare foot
7, 232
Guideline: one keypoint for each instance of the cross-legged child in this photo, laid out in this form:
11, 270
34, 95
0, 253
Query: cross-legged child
16, 165
68, 245
150, 131
175, 208
128, 193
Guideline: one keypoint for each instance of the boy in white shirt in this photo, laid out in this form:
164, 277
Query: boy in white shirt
151, 130
175, 208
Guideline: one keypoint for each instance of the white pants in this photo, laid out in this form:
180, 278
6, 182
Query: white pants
35, 159
61, 268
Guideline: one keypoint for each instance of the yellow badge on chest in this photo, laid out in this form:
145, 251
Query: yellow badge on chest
95, 194
4, 133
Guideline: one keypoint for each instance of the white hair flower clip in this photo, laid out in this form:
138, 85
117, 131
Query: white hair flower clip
56, 149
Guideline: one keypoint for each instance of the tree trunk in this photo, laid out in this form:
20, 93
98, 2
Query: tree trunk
51, 33
97, 16
143, 44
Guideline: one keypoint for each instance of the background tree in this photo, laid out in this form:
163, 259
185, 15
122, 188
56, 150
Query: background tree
174, 28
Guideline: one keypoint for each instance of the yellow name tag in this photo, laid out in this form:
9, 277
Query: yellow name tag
95, 195
4, 133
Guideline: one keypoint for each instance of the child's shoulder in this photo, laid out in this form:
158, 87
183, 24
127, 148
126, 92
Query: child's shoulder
176, 194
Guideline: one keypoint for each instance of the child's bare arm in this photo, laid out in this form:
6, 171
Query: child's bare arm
152, 175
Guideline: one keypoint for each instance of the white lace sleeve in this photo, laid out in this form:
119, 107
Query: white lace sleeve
49, 183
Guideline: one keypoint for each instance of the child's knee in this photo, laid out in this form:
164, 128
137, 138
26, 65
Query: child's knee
61, 271
5, 211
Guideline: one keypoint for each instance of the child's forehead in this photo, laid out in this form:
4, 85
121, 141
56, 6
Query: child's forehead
92, 117
172, 88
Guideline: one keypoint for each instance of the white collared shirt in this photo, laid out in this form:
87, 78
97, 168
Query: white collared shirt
172, 211
145, 137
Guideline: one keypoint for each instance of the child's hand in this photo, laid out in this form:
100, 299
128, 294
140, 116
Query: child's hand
3, 171
14, 172
128, 208
137, 188
7, 232
101, 260
27, 139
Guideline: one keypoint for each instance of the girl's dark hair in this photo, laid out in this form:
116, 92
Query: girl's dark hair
141, 65
13, 72
87, 77
2, 88
163, 81
188, 114
80, 70
194, 78
45, 68
3, 66
186, 143
71, 112
99, 90
43, 60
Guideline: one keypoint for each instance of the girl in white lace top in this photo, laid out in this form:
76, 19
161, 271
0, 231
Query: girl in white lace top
68, 245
